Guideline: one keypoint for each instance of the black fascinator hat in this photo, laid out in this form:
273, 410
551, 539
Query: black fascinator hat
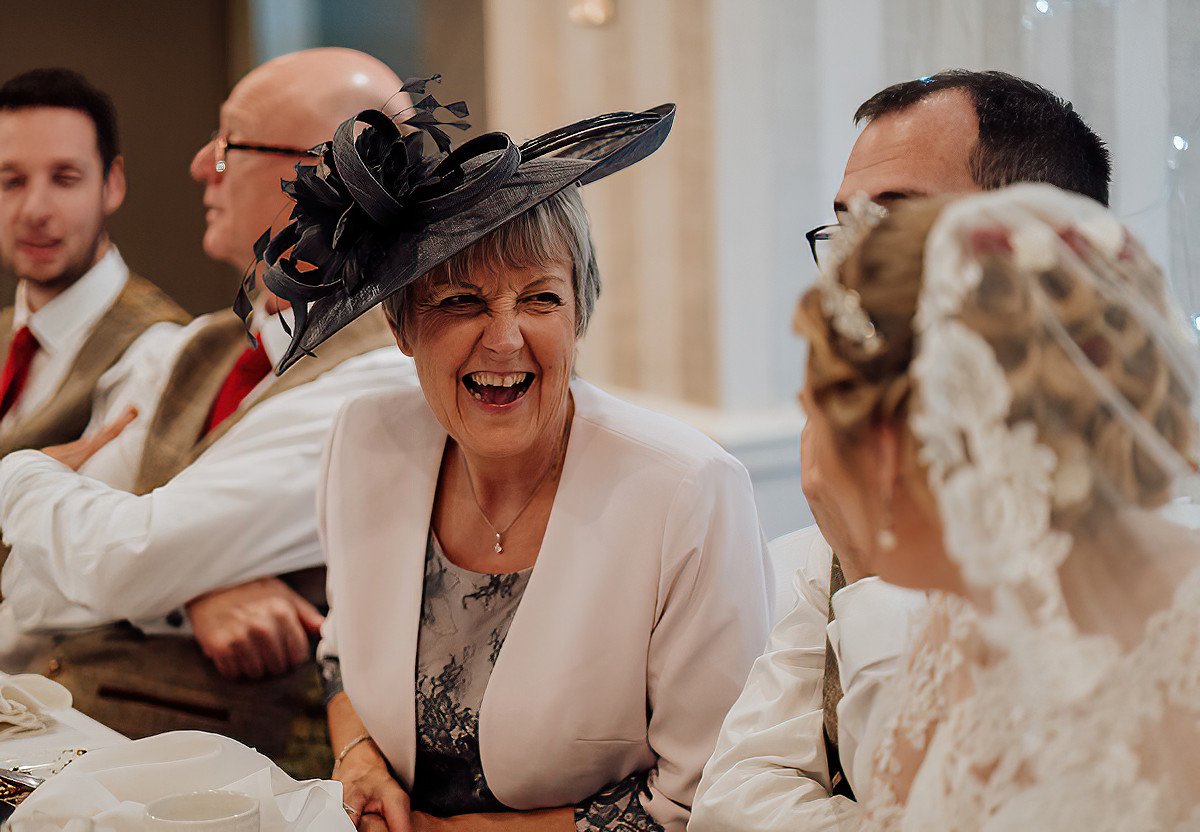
374, 212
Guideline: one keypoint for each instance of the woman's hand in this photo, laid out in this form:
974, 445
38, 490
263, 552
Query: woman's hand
368, 788
538, 820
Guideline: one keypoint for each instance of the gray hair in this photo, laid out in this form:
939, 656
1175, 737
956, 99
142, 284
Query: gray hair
554, 229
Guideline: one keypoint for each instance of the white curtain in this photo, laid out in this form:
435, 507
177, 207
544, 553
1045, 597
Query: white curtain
1131, 68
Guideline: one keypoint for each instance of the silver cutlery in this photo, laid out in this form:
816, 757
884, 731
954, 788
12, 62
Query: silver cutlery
20, 778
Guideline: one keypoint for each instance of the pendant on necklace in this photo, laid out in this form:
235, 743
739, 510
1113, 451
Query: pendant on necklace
498, 548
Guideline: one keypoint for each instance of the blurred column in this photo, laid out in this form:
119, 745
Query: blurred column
1142, 137
653, 224
701, 247
1183, 152
1047, 50
283, 26
743, 179
852, 64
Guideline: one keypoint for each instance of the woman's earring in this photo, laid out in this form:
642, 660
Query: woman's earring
886, 539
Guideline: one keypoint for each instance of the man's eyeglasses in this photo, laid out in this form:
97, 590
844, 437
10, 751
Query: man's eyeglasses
222, 146
819, 240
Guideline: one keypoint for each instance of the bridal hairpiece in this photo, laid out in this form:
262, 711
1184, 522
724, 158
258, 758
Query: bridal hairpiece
843, 305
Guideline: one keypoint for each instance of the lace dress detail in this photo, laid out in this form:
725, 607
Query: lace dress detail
617, 809
1005, 737
465, 617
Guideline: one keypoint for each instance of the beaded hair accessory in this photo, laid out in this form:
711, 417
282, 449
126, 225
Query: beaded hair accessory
842, 305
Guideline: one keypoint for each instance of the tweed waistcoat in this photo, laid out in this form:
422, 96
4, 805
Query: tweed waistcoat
64, 416
176, 435
832, 694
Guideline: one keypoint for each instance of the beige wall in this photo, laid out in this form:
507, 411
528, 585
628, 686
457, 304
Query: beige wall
653, 224
167, 67
452, 45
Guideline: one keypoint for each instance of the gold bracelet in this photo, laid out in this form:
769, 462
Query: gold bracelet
348, 747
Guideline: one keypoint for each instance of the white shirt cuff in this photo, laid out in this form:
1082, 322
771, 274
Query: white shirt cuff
15, 465
872, 623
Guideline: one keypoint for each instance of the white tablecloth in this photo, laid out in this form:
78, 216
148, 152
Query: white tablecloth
71, 729
111, 785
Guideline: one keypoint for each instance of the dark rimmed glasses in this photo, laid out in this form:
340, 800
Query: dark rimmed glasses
819, 240
222, 146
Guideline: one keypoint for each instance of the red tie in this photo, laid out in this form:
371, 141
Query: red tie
252, 367
16, 368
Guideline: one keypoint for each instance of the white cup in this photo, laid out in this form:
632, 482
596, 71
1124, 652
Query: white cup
212, 811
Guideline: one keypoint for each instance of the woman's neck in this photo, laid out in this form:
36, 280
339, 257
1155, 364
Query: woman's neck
500, 480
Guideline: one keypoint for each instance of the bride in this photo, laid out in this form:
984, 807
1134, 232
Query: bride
1012, 389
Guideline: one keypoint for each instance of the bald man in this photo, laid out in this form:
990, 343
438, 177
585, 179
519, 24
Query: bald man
210, 529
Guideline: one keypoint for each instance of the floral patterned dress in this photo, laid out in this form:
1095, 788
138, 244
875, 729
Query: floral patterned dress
465, 618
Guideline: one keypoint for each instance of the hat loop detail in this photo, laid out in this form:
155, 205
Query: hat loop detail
366, 190
373, 212
472, 185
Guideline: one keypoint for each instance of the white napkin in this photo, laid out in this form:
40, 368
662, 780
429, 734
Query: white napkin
25, 701
111, 787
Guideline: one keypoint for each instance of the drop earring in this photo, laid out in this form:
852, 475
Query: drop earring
886, 538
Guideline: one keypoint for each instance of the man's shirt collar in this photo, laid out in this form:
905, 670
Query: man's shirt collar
65, 321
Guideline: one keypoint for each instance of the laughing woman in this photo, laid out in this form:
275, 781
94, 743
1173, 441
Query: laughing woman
544, 599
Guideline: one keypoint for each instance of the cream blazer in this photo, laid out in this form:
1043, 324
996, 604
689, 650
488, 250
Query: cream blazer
646, 608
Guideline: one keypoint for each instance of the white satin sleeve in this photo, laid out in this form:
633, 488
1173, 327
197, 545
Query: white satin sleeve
873, 628
769, 772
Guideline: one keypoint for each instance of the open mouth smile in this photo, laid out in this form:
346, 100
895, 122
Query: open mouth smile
497, 388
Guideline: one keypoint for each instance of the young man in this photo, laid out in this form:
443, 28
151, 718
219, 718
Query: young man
211, 532
78, 308
775, 763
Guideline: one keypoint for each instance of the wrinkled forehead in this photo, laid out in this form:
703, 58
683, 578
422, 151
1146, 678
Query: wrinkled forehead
270, 110
922, 150
239, 113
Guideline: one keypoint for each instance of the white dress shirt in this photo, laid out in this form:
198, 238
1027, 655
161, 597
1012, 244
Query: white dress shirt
138, 380
769, 770
63, 325
87, 552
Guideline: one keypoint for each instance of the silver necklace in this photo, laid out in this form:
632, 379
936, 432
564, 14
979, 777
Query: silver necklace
498, 548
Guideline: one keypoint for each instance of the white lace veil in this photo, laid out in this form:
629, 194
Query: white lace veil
1055, 386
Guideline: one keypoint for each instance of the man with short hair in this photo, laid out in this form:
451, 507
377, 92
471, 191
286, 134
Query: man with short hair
212, 533
78, 308
962, 130
776, 764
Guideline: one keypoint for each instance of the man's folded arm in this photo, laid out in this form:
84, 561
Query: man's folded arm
770, 771
871, 633
243, 510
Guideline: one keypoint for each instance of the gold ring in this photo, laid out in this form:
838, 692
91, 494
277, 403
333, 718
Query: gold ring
350, 810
